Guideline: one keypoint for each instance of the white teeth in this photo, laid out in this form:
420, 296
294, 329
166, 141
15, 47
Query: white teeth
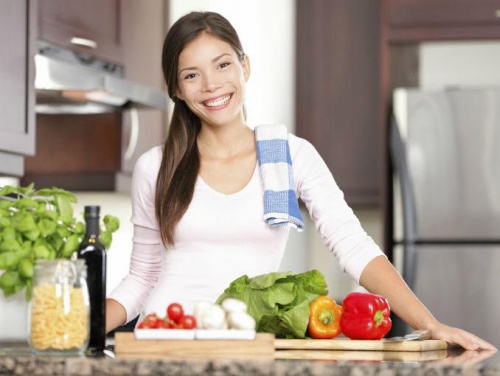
218, 102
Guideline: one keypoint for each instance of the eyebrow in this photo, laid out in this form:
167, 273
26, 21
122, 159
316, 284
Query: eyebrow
213, 61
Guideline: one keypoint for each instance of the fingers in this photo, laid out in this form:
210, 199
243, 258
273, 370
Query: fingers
464, 339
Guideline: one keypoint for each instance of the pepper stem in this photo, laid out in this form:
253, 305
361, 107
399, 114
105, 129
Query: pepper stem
379, 316
326, 317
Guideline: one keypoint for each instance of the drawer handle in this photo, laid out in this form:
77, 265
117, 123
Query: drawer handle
497, 13
84, 42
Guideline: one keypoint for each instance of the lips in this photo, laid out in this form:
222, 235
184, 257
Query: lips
219, 101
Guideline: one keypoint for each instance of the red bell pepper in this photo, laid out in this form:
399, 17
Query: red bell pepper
365, 316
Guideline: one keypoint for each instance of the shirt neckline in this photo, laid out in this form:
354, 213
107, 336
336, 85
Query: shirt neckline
237, 193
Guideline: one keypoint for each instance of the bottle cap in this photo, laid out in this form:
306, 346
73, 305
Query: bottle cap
92, 211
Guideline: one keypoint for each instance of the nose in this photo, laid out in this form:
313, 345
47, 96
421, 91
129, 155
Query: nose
211, 82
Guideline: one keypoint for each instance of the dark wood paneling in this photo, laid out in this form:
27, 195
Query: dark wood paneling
73, 149
17, 72
337, 96
430, 20
97, 20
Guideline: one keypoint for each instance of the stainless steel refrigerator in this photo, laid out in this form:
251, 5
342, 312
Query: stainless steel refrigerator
445, 148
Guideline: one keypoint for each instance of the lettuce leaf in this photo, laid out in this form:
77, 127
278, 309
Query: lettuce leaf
279, 301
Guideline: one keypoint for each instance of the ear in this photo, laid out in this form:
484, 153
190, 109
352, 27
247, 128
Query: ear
179, 95
245, 63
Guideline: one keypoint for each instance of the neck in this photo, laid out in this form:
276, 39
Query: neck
224, 141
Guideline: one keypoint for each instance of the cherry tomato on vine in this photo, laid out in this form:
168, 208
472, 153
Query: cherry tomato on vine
175, 312
187, 322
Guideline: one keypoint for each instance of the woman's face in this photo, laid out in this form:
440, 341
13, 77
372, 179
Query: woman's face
212, 80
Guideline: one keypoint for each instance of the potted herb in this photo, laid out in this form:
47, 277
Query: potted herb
38, 224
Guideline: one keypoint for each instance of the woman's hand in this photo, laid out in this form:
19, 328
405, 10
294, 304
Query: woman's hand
460, 337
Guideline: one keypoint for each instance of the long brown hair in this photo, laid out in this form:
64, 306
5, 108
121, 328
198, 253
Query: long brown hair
180, 162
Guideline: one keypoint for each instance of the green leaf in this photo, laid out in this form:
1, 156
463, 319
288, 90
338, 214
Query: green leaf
53, 192
9, 260
80, 228
17, 285
62, 231
9, 233
106, 238
9, 189
26, 223
5, 222
26, 203
32, 235
10, 245
6, 203
63, 204
70, 246
25, 268
41, 251
9, 279
111, 223
47, 227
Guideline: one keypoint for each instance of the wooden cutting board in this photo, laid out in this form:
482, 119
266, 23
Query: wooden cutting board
261, 348
358, 345
354, 355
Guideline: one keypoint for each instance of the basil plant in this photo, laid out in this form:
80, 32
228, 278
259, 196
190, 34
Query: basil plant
39, 224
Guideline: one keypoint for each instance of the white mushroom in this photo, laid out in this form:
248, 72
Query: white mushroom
231, 305
240, 320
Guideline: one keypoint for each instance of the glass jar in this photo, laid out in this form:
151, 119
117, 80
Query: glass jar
59, 309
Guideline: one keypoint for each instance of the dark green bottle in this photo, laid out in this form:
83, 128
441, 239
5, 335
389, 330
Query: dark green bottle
94, 254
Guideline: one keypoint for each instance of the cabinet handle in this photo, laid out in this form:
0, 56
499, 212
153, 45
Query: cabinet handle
134, 134
84, 42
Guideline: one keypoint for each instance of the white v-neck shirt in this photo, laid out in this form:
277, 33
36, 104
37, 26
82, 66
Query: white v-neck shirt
222, 237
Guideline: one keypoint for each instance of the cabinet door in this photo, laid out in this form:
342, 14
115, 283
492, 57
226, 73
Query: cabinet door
414, 20
17, 117
337, 92
90, 26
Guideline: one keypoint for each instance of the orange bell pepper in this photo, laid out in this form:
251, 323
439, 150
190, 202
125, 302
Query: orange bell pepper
324, 318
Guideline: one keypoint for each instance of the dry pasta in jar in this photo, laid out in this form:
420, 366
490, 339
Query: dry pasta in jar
60, 306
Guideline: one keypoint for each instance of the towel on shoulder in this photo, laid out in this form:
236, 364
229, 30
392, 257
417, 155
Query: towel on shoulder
281, 206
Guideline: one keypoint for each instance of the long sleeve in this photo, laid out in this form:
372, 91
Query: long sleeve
146, 258
338, 226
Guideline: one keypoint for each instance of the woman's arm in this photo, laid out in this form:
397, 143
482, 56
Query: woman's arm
380, 277
115, 315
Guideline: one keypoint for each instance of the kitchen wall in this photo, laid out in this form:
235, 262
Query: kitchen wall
472, 63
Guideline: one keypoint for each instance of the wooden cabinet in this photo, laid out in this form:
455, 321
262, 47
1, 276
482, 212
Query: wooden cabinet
76, 152
414, 20
17, 120
337, 91
88, 152
90, 26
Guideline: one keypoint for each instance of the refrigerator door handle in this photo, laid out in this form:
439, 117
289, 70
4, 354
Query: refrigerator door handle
399, 154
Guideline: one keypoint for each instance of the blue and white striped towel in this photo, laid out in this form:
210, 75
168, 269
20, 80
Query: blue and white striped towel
273, 153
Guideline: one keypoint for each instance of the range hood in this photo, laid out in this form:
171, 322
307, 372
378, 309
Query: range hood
69, 82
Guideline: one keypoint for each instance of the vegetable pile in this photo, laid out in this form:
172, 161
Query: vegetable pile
38, 224
231, 314
297, 306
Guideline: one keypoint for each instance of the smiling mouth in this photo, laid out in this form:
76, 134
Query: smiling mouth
218, 101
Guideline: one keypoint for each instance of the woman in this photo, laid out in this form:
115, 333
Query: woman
198, 200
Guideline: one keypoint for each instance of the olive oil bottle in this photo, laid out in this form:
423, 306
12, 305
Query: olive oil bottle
94, 254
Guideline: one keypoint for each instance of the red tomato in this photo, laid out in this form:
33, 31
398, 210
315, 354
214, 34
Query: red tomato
175, 312
187, 322
163, 324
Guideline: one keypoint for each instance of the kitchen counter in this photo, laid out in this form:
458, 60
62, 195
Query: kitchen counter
16, 359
